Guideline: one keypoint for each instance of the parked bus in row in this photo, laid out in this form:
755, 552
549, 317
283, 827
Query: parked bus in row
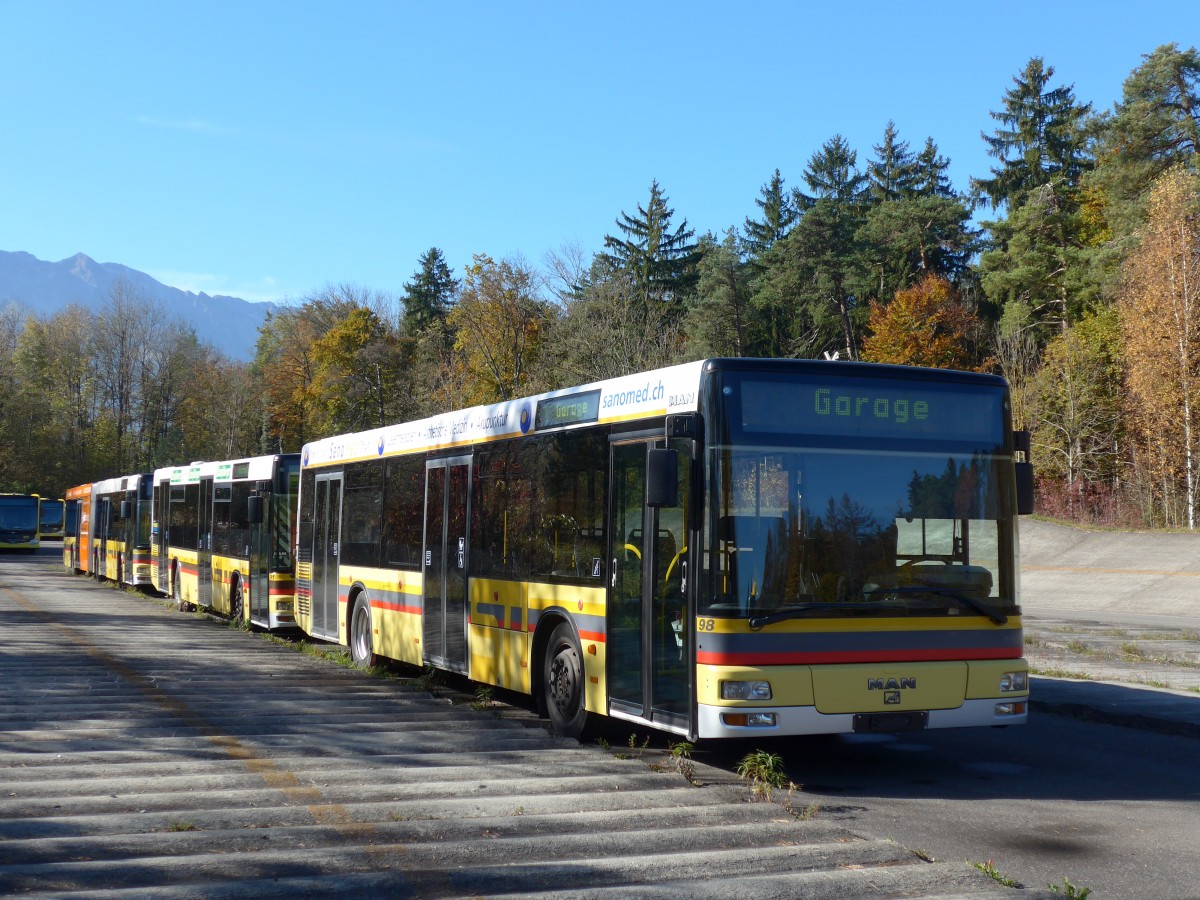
77, 521
722, 549
50, 519
19, 522
107, 533
223, 536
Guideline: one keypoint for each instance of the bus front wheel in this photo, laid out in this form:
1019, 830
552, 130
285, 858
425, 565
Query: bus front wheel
564, 683
361, 649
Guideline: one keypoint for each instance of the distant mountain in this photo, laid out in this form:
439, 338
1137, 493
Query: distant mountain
228, 323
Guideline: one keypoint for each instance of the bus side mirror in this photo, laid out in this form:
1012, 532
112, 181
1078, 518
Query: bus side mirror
126, 509
254, 510
662, 477
1024, 488
1022, 443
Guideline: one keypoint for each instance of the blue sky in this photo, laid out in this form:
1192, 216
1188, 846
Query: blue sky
265, 149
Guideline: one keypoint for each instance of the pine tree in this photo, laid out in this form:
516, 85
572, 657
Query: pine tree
929, 173
1038, 253
779, 214
429, 296
1040, 139
1155, 126
892, 173
662, 261
833, 175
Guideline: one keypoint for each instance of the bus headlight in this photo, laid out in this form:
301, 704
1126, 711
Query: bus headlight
1014, 682
745, 690
749, 720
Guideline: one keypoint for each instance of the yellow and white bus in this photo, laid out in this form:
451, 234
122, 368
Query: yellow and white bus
224, 534
19, 522
119, 530
720, 549
50, 518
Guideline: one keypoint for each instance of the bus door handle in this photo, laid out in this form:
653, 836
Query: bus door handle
614, 572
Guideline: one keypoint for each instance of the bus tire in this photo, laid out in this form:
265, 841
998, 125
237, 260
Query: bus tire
563, 683
177, 591
360, 634
237, 602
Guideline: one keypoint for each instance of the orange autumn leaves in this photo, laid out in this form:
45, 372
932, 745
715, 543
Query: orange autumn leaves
924, 325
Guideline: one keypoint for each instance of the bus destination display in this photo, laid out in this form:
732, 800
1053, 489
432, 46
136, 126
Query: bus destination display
872, 407
572, 409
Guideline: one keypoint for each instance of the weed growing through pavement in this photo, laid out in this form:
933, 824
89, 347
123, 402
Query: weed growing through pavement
484, 698
635, 749
764, 773
989, 869
430, 679
182, 826
681, 757
1070, 890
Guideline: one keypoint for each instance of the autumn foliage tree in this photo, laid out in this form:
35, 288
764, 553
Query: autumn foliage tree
1160, 317
924, 325
499, 324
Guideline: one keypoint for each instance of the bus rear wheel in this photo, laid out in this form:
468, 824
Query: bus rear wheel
361, 648
237, 602
564, 683
177, 591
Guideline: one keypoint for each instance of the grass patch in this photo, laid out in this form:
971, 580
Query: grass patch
1060, 673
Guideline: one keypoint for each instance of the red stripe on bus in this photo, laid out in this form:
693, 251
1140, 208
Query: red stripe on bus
396, 607
855, 656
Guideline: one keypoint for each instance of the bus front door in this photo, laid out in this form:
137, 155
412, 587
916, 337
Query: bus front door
327, 526
101, 522
162, 515
445, 562
204, 541
260, 563
647, 663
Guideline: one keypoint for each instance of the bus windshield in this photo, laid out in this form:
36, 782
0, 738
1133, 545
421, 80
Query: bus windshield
861, 517
19, 514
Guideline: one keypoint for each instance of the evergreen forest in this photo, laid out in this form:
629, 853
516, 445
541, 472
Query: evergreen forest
1071, 267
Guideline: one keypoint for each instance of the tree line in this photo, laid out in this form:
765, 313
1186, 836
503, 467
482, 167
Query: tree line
1072, 267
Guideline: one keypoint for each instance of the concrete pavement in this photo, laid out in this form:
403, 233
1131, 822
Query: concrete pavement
1112, 625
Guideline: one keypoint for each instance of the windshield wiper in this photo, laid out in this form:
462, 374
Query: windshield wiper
800, 610
970, 603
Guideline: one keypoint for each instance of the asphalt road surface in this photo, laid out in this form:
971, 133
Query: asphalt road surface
148, 752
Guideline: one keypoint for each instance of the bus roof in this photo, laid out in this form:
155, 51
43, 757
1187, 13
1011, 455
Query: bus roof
644, 395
